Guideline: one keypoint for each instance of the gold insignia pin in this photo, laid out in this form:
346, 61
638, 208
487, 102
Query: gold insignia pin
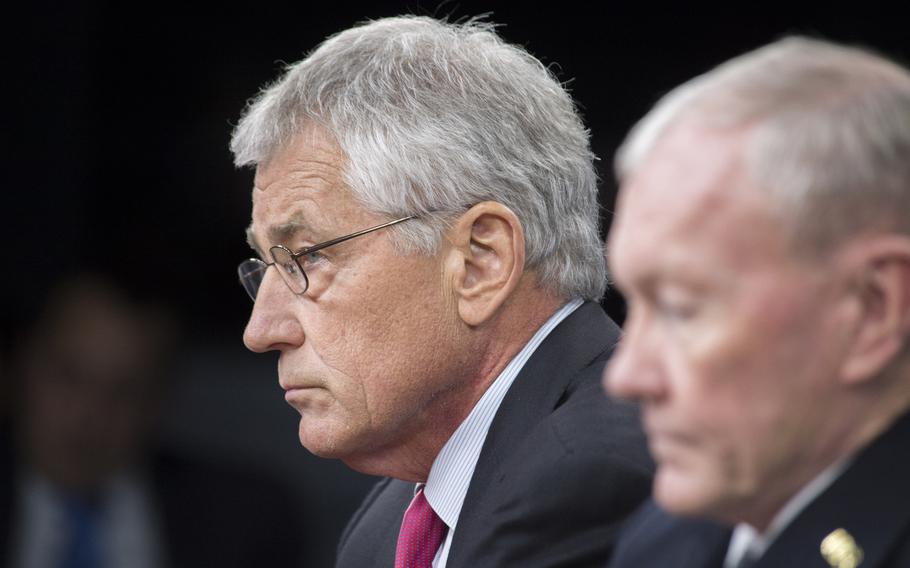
840, 550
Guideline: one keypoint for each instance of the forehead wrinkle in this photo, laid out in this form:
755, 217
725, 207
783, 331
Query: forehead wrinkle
324, 167
289, 188
303, 174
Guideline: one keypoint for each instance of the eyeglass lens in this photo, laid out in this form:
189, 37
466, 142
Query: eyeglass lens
251, 272
289, 269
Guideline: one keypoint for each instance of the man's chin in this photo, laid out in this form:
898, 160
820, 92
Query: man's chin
321, 442
680, 492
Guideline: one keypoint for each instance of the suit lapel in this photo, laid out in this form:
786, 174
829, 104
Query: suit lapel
707, 550
582, 337
372, 534
655, 538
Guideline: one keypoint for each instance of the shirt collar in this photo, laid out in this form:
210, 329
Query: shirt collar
451, 472
747, 540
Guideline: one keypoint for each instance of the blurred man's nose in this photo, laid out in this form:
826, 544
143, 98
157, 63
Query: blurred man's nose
273, 324
636, 370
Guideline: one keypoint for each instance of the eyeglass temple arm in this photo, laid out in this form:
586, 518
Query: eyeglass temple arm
326, 244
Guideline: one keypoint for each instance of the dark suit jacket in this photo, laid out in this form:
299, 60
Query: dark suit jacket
870, 500
562, 466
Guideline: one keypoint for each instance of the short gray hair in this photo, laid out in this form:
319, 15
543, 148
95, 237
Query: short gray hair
434, 117
829, 134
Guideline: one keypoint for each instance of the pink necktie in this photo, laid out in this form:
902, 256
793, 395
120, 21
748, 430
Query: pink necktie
422, 531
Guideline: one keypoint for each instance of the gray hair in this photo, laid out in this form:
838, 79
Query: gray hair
828, 134
434, 117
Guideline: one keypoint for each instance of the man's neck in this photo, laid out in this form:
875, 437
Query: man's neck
482, 362
875, 413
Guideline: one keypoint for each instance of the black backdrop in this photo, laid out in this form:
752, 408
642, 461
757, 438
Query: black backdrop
118, 119
121, 115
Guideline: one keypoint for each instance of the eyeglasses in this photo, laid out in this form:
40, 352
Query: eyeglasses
252, 270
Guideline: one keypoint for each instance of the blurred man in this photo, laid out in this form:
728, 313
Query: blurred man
426, 226
762, 240
84, 485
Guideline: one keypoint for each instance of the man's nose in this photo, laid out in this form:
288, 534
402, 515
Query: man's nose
273, 322
636, 370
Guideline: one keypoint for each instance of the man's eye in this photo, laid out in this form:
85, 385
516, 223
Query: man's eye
290, 267
312, 259
678, 311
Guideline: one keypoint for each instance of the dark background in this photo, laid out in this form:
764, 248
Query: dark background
118, 121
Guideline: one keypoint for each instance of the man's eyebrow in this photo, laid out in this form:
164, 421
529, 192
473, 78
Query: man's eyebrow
281, 233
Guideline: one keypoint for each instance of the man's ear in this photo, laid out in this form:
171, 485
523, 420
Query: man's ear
486, 259
882, 288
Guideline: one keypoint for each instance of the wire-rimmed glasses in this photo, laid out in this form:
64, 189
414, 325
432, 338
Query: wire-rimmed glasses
252, 270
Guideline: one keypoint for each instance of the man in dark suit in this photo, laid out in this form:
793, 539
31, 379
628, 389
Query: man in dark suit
762, 240
426, 227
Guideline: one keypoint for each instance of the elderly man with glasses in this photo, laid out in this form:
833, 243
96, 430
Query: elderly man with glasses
429, 265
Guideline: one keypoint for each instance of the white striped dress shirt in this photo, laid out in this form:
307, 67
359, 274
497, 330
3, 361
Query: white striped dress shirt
451, 472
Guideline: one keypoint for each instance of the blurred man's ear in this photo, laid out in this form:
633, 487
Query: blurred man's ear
486, 259
882, 268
